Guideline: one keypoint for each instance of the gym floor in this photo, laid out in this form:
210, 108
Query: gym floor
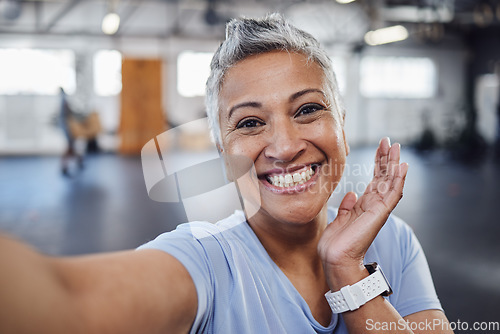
451, 205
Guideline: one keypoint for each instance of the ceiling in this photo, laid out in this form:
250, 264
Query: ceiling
326, 19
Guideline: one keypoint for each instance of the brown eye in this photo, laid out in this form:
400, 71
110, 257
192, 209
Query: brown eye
309, 108
249, 123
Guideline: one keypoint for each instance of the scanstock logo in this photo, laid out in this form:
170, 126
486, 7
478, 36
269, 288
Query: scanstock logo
210, 186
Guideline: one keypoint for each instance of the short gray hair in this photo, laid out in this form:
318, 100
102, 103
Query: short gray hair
246, 37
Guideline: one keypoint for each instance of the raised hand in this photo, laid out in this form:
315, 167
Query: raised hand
345, 241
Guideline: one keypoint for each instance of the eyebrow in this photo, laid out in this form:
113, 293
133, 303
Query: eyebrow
292, 98
244, 105
304, 92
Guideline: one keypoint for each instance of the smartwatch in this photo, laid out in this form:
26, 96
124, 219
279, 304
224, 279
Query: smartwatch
351, 297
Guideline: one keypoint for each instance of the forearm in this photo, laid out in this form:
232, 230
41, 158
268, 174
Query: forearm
376, 316
32, 299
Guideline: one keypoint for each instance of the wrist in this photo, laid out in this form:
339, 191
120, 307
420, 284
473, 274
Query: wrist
351, 297
338, 276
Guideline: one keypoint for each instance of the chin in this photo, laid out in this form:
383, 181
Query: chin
290, 213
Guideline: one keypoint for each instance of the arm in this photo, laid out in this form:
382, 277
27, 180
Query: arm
145, 291
345, 241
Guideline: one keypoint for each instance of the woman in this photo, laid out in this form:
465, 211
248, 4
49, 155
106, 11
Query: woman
271, 98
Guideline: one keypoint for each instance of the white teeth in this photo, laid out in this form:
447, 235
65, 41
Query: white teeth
281, 181
290, 180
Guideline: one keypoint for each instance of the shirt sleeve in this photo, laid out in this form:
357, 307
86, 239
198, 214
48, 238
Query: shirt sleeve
416, 290
188, 250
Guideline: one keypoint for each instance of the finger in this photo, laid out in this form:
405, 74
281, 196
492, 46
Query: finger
386, 143
378, 157
394, 156
348, 202
394, 153
383, 166
381, 156
404, 169
394, 180
376, 169
396, 191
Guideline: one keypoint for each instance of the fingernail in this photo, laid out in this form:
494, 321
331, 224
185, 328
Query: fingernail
385, 138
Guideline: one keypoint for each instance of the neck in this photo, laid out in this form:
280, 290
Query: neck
291, 245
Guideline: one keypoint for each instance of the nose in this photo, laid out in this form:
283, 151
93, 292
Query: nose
285, 142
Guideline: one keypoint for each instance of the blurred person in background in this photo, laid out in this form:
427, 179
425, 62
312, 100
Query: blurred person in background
77, 127
66, 120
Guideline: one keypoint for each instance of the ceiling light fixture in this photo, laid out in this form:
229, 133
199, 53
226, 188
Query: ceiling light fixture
386, 35
111, 22
345, 1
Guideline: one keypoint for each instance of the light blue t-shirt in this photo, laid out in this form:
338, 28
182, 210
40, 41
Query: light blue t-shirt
241, 290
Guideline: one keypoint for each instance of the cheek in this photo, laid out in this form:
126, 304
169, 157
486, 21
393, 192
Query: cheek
329, 137
249, 147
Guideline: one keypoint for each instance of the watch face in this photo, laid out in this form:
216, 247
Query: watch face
387, 293
373, 267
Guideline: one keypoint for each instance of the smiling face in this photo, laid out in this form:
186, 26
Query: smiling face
274, 111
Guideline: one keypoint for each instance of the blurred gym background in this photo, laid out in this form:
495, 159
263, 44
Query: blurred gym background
423, 72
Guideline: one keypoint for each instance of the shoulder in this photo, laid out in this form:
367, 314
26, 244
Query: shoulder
396, 229
206, 251
202, 242
199, 230
394, 243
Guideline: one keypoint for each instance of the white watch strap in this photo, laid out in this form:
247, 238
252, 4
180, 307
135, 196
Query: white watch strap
351, 297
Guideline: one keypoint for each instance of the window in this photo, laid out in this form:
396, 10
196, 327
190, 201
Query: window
398, 77
107, 72
193, 69
36, 71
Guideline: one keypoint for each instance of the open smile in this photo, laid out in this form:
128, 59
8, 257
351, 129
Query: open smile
296, 180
